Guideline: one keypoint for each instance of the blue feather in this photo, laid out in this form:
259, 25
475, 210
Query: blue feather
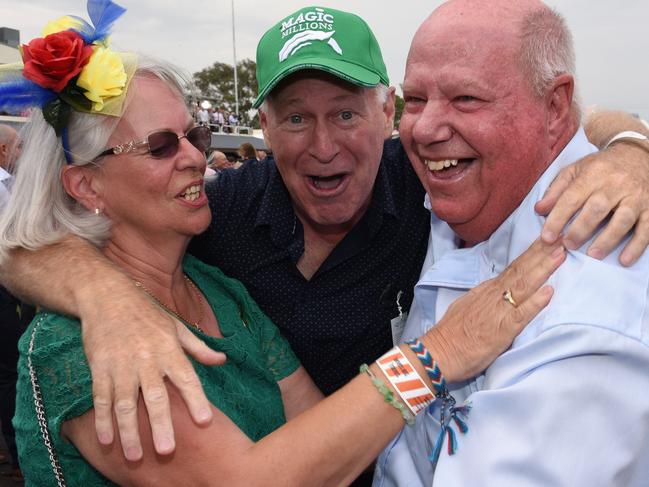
86, 31
20, 94
103, 14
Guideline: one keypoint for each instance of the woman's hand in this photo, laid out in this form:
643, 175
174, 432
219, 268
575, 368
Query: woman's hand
482, 324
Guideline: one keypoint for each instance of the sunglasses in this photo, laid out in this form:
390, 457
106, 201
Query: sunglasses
164, 143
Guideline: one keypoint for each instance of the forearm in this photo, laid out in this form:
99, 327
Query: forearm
63, 277
604, 125
333, 442
299, 393
329, 444
348, 429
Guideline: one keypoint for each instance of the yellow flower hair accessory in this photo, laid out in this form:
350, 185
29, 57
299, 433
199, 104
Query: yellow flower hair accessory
103, 77
62, 23
70, 68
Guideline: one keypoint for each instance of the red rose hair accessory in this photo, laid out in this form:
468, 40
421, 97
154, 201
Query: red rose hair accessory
70, 67
52, 61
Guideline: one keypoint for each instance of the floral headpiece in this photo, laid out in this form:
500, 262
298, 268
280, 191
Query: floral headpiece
70, 68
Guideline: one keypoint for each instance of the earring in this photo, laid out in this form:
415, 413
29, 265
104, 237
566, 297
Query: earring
97, 211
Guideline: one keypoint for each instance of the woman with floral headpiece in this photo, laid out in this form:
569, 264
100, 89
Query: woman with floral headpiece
113, 155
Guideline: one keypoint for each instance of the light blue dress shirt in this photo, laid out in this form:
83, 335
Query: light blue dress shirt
5, 187
568, 403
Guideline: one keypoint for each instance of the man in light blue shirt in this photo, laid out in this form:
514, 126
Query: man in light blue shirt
490, 119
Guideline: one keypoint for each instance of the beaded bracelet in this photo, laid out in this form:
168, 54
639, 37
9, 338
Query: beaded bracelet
388, 395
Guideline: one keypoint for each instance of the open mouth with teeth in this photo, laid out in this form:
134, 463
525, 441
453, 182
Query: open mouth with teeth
440, 165
327, 183
192, 193
447, 167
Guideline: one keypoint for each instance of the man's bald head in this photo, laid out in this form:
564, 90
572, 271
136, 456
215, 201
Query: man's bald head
537, 32
218, 160
8, 139
488, 106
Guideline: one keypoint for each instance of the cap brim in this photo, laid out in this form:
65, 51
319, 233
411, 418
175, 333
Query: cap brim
344, 70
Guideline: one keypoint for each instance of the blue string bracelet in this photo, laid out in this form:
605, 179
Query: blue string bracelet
430, 365
389, 396
449, 412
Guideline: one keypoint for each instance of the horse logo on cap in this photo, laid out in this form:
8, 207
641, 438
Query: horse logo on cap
304, 39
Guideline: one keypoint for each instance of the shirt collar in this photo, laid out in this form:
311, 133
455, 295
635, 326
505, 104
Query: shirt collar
4, 174
454, 267
276, 210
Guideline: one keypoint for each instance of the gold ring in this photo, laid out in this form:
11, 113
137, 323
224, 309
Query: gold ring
507, 296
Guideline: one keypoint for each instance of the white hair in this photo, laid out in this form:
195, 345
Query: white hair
40, 212
547, 51
381, 93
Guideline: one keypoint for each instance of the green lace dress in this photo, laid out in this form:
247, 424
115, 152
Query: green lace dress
245, 388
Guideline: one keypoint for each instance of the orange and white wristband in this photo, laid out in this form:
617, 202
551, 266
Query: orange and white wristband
406, 380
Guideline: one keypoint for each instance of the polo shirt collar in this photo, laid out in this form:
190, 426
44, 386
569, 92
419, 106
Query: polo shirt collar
276, 211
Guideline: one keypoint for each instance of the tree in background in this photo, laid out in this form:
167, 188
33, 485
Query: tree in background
216, 84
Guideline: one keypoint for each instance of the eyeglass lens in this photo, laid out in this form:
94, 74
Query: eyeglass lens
165, 144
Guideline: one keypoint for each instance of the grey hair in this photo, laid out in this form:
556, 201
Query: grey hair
40, 212
547, 51
381, 93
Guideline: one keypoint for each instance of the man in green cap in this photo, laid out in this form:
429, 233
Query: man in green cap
337, 235
329, 241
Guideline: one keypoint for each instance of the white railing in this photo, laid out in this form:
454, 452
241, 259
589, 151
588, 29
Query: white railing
231, 129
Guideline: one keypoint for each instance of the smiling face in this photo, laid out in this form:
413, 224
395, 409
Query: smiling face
158, 198
473, 129
327, 138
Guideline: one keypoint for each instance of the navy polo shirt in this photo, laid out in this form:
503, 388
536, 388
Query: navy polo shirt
340, 318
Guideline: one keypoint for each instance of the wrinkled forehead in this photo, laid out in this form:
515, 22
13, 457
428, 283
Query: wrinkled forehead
461, 37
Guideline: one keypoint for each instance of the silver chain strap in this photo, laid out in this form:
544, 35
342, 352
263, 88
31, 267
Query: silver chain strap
40, 411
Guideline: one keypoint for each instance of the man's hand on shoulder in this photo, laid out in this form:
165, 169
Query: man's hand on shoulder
611, 183
133, 345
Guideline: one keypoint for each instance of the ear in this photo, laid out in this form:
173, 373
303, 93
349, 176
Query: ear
263, 121
559, 103
389, 111
81, 183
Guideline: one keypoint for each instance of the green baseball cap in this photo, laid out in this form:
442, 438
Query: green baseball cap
337, 42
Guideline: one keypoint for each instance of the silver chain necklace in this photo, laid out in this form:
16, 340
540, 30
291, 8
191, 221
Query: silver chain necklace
40, 411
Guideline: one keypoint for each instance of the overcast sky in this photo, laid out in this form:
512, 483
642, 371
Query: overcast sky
611, 38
